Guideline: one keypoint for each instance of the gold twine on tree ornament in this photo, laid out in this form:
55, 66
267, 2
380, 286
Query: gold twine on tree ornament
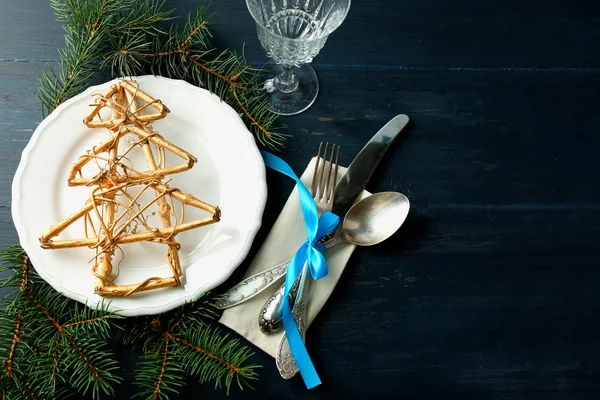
111, 194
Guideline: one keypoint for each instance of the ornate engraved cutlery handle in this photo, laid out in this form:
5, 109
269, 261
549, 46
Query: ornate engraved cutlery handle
284, 359
251, 286
270, 319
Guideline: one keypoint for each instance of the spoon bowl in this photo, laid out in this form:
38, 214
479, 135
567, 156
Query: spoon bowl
375, 218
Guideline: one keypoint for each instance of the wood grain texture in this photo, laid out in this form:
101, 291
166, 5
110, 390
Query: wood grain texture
489, 289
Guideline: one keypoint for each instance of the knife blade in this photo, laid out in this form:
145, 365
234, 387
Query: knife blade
358, 173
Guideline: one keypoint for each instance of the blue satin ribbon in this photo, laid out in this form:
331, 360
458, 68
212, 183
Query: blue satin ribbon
309, 252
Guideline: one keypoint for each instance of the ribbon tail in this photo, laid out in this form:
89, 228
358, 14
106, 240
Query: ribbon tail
305, 366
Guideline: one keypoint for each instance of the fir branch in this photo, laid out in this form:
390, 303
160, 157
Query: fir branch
186, 53
125, 37
77, 58
193, 316
51, 344
9, 362
159, 376
160, 386
183, 343
80, 354
214, 358
89, 27
142, 16
130, 57
163, 367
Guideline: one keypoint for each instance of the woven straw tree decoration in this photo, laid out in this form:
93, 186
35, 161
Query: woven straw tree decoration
113, 213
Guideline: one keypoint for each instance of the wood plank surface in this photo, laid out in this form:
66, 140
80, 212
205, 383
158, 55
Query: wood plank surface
489, 290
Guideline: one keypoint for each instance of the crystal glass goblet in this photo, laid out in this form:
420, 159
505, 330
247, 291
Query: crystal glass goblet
292, 32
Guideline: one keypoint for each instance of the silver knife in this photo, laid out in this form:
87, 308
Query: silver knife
352, 184
348, 189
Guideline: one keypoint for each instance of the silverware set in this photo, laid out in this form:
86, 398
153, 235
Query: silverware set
364, 222
322, 189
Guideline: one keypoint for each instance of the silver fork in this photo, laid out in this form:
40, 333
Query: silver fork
323, 192
324, 180
323, 183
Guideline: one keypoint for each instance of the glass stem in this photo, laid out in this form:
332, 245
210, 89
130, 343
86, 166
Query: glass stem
287, 81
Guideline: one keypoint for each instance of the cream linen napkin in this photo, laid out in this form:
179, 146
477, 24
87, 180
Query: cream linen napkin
286, 236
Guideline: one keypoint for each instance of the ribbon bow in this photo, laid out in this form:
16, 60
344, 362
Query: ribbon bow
309, 252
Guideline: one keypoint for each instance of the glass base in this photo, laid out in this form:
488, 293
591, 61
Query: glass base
294, 102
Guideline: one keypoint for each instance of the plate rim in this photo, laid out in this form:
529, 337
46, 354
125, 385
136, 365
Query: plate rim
232, 263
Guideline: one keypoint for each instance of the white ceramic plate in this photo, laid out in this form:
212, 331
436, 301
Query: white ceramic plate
230, 173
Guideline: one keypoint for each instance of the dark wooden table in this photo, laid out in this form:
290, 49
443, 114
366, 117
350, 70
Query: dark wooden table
490, 289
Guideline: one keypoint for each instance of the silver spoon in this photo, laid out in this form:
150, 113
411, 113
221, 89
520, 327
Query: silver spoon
253, 285
370, 221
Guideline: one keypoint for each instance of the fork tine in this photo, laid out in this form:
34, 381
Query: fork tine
326, 189
313, 189
322, 176
325, 173
334, 174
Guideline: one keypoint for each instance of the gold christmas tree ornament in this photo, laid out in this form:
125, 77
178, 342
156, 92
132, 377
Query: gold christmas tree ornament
115, 213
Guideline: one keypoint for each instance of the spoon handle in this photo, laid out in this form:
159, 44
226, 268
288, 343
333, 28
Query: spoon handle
255, 284
286, 364
270, 318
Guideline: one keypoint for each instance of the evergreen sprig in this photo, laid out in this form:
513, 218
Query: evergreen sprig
49, 345
184, 343
89, 25
129, 38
